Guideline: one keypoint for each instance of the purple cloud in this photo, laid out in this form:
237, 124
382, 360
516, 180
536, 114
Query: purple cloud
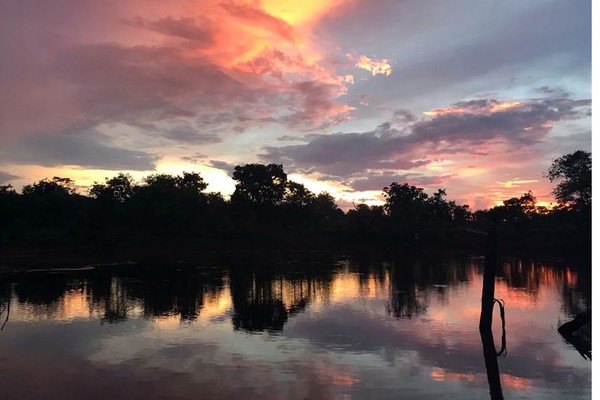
6, 177
92, 149
463, 128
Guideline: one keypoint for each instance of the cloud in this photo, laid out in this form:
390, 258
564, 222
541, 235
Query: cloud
520, 47
402, 116
518, 122
188, 134
197, 30
140, 65
260, 19
471, 127
194, 158
375, 67
379, 181
310, 100
127, 84
90, 149
223, 165
6, 177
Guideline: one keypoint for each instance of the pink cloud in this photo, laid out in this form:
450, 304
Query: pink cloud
139, 62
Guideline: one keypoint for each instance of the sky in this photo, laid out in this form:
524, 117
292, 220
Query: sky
477, 98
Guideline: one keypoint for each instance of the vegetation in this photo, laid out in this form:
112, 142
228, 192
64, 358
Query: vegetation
266, 206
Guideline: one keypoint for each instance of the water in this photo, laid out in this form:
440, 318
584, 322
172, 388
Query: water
316, 328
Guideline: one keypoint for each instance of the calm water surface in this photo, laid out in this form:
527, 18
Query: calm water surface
326, 328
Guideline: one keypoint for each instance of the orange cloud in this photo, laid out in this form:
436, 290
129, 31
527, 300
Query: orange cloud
515, 382
300, 12
483, 107
516, 182
441, 375
382, 66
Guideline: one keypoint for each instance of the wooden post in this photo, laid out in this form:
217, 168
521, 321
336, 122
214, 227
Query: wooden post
485, 320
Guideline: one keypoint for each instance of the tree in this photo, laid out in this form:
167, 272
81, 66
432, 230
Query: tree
441, 210
406, 205
524, 205
259, 184
297, 195
118, 189
365, 220
165, 200
55, 186
326, 213
9, 206
574, 171
51, 202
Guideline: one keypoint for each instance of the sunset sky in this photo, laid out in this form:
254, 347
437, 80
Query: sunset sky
477, 97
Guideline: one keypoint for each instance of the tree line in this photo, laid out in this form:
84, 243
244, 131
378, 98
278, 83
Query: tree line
266, 204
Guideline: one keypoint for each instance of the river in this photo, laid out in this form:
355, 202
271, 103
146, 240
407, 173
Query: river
304, 326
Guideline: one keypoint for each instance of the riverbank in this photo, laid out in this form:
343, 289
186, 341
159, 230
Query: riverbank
61, 251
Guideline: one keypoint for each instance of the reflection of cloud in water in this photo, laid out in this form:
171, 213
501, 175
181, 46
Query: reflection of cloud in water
360, 330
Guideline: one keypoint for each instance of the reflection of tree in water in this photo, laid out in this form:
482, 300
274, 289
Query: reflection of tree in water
173, 291
413, 280
529, 277
42, 292
576, 291
53, 295
256, 308
109, 296
369, 273
5, 298
158, 291
405, 300
264, 297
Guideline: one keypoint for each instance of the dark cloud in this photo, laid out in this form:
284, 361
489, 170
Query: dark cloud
6, 177
401, 116
462, 128
526, 123
337, 154
91, 149
223, 166
553, 91
200, 32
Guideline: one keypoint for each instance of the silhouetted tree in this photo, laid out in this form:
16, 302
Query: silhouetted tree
112, 197
54, 186
9, 209
164, 200
52, 202
296, 213
118, 189
574, 171
297, 195
366, 220
406, 205
574, 192
327, 215
259, 184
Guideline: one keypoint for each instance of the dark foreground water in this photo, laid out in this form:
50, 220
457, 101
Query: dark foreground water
324, 328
